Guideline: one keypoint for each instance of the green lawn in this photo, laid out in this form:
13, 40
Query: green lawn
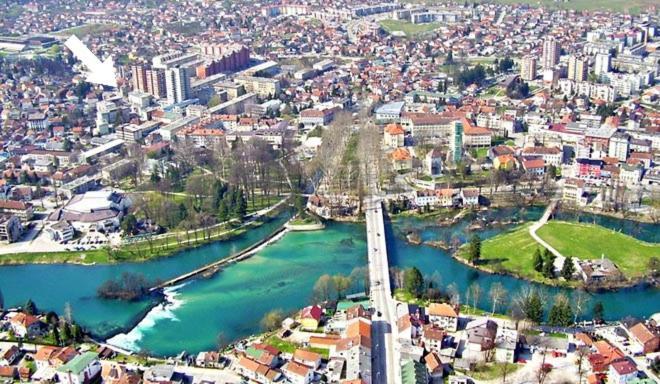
512, 252
289, 347
87, 29
588, 241
492, 371
406, 27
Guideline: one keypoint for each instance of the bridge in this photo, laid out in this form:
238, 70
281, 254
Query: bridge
386, 366
217, 265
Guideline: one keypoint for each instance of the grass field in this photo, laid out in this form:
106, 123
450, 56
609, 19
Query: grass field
513, 251
588, 241
632, 6
409, 29
86, 29
492, 371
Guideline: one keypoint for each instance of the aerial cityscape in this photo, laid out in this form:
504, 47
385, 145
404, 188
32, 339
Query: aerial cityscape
330, 191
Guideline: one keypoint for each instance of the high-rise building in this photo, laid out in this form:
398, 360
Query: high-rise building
139, 80
603, 63
177, 85
551, 53
457, 141
528, 68
578, 68
156, 83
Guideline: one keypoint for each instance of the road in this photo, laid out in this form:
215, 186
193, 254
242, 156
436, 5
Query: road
559, 258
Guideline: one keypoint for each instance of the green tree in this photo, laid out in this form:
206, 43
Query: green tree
76, 333
561, 313
66, 332
474, 249
30, 308
548, 265
155, 174
413, 281
538, 261
531, 305
342, 284
272, 320
568, 268
129, 223
598, 312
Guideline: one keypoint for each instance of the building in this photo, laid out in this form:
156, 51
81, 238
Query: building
394, 135
534, 167
262, 86
10, 228
94, 210
62, 231
389, 112
82, 369
647, 336
156, 85
444, 316
603, 64
578, 68
25, 325
414, 372
528, 68
456, 140
177, 85
401, 159
298, 373
619, 146
622, 371
20, 209
310, 317
433, 162
316, 117
551, 52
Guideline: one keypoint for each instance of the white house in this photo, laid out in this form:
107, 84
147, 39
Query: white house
81, 369
308, 358
444, 316
621, 372
298, 373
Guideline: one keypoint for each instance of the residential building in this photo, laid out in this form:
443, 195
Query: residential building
298, 373
528, 68
262, 86
619, 146
20, 209
551, 51
25, 325
310, 317
61, 231
81, 369
621, 371
433, 162
401, 159
631, 174
394, 135
177, 85
647, 336
603, 63
456, 142
578, 68
11, 228
308, 358
444, 316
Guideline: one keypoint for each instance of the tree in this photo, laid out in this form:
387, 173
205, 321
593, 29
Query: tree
580, 354
598, 312
475, 292
538, 261
474, 249
66, 332
413, 282
568, 268
129, 224
272, 320
76, 333
497, 293
30, 308
548, 265
561, 313
531, 304
324, 288
342, 284
155, 174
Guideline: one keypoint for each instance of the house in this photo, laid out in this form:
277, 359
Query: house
435, 367
25, 325
432, 337
444, 316
208, 359
588, 168
308, 358
506, 345
474, 136
550, 155
162, 374
44, 355
504, 162
298, 373
262, 356
414, 372
433, 162
315, 117
622, 371
61, 231
115, 373
480, 343
605, 355
253, 370
10, 228
535, 167
310, 317
8, 372
63, 356
574, 192
470, 197
393, 135
401, 159
9, 355
81, 369
647, 336
21, 209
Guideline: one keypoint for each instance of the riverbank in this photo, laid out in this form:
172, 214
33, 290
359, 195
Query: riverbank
147, 249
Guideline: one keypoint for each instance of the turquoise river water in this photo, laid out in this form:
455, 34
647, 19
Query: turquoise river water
230, 304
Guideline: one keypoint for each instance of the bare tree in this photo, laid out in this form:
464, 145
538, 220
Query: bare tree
580, 355
497, 294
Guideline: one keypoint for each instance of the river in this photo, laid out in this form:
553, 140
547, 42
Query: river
230, 304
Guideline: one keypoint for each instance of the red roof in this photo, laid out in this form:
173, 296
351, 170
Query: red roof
312, 311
